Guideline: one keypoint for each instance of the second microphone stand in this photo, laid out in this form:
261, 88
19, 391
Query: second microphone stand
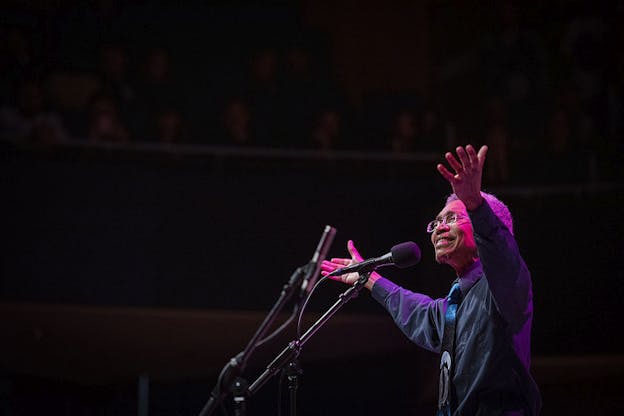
288, 356
229, 380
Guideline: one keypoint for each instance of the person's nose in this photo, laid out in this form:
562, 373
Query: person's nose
442, 226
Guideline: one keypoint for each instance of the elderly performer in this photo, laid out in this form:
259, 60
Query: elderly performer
482, 329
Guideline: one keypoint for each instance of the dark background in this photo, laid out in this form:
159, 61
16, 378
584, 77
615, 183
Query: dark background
133, 259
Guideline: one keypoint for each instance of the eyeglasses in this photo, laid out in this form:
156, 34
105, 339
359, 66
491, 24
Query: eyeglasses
450, 219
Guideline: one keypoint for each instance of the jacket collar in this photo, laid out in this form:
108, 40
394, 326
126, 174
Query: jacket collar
471, 276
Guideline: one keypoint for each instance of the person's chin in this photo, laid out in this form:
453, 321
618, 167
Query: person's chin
442, 255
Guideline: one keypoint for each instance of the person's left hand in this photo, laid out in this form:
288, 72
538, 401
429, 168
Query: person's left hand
329, 266
466, 182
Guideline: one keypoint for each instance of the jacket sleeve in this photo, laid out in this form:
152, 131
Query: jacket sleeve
419, 317
507, 275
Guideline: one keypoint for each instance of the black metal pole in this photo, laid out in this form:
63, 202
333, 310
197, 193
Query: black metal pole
236, 365
289, 353
294, 372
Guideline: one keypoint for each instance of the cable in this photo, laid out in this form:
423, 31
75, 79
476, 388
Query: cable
253, 343
217, 392
305, 303
296, 308
283, 326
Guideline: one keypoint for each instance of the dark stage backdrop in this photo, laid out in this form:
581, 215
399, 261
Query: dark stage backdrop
123, 229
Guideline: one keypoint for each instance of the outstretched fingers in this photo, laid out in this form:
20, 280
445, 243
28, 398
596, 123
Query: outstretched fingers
328, 266
355, 254
445, 173
453, 162
472, 156
463, 157
341, 261
481, 156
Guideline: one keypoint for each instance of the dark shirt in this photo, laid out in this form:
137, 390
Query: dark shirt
493, 327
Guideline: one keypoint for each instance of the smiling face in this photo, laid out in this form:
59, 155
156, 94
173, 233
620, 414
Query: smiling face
454, 244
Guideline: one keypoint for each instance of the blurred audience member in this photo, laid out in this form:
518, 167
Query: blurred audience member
105, 125
432, 135
301, 91
113, 71
17, 63
115, 82
157, 89
404, 132
169, 126
30, 121
264, 96
158, 83
236, 123
327, 131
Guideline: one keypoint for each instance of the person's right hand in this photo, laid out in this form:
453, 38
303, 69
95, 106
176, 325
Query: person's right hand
329, 266
466, 181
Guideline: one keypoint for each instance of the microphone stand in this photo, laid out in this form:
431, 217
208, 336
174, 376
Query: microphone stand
229, 380
288, 356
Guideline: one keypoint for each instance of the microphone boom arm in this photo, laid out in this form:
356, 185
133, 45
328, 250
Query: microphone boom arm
293, 349
236, 366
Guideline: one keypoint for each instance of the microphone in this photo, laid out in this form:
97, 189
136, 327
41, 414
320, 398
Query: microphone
314, 267
401, 255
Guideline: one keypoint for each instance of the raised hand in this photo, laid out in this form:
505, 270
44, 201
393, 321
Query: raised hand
466, 181
329, 266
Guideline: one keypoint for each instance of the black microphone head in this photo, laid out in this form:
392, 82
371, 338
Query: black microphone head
405, 254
